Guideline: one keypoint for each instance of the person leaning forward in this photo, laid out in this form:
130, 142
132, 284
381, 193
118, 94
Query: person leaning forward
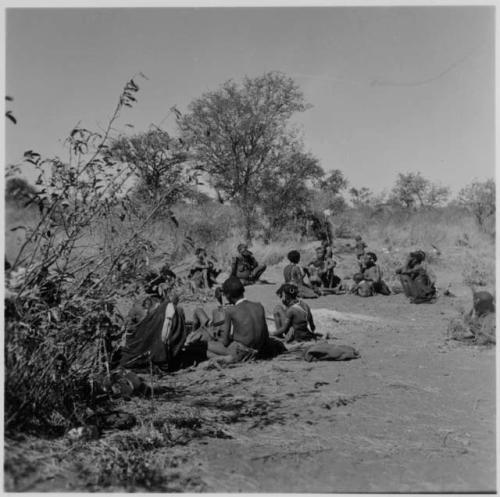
245, 267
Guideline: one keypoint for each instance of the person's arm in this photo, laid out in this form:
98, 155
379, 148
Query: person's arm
310, 319
226, 329
252, 262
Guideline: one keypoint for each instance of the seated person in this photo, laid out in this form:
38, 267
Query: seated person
203, 273
159, 283
369, 281
294, 273
293, 319
417, 284
158, 338
373, 274
245, 267
322, 273
244, 334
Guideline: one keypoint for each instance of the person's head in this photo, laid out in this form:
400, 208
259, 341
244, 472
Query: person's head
294, 256
233, 289
357, 278
417, 257
320, 252
288, 293
150, 303
370, 258
242, 247
200, 252
357, 238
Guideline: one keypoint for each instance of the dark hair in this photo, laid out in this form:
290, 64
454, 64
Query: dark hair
372, 255
418, 255
294, 256
233, 288
199, 251
289, 289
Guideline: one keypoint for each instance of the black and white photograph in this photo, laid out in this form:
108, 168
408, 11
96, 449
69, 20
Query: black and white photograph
249, 247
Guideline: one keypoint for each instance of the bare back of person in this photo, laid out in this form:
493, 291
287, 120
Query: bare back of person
247, 320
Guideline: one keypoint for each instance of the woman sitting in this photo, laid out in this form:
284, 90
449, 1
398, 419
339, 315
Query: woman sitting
293, 319
415, 280
369, 281
295, 274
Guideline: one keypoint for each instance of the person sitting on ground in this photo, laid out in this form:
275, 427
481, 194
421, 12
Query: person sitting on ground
244, 335
322, 273
373, 274
158, 338
245, 267
203, 273
294, 273
293, 319
360, 248
417, 284
159, 283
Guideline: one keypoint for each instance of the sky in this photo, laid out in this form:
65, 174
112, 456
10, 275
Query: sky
393, 89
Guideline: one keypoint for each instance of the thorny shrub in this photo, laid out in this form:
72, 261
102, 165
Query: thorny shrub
62, 326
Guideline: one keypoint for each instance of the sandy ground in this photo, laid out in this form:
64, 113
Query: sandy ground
415, 413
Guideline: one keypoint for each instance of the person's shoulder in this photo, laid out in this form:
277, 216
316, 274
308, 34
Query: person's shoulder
253, 305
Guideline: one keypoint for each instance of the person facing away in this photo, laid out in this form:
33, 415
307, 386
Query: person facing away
294, 273
244, 334
245, 267
293, 319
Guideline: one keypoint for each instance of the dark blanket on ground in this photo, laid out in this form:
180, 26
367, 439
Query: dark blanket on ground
329, 352
146, 345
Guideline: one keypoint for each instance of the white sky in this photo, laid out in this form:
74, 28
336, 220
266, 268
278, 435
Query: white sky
393, 89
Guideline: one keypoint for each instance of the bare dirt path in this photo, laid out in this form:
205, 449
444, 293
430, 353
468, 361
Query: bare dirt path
414, 414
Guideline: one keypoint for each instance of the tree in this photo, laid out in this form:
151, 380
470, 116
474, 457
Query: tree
479, 199
412, 190
334, 183
288, 192
361, 196
328, 196
236, 134
158, 160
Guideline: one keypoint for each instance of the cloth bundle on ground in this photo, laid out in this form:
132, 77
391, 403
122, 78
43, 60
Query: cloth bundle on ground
158, 338
483, 303
325, 351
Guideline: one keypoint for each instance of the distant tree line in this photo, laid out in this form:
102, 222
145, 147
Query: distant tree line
241, 138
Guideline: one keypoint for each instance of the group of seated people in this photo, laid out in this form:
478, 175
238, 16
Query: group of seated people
239, 331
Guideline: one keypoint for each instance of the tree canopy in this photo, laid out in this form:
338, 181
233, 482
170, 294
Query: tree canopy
240, 135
